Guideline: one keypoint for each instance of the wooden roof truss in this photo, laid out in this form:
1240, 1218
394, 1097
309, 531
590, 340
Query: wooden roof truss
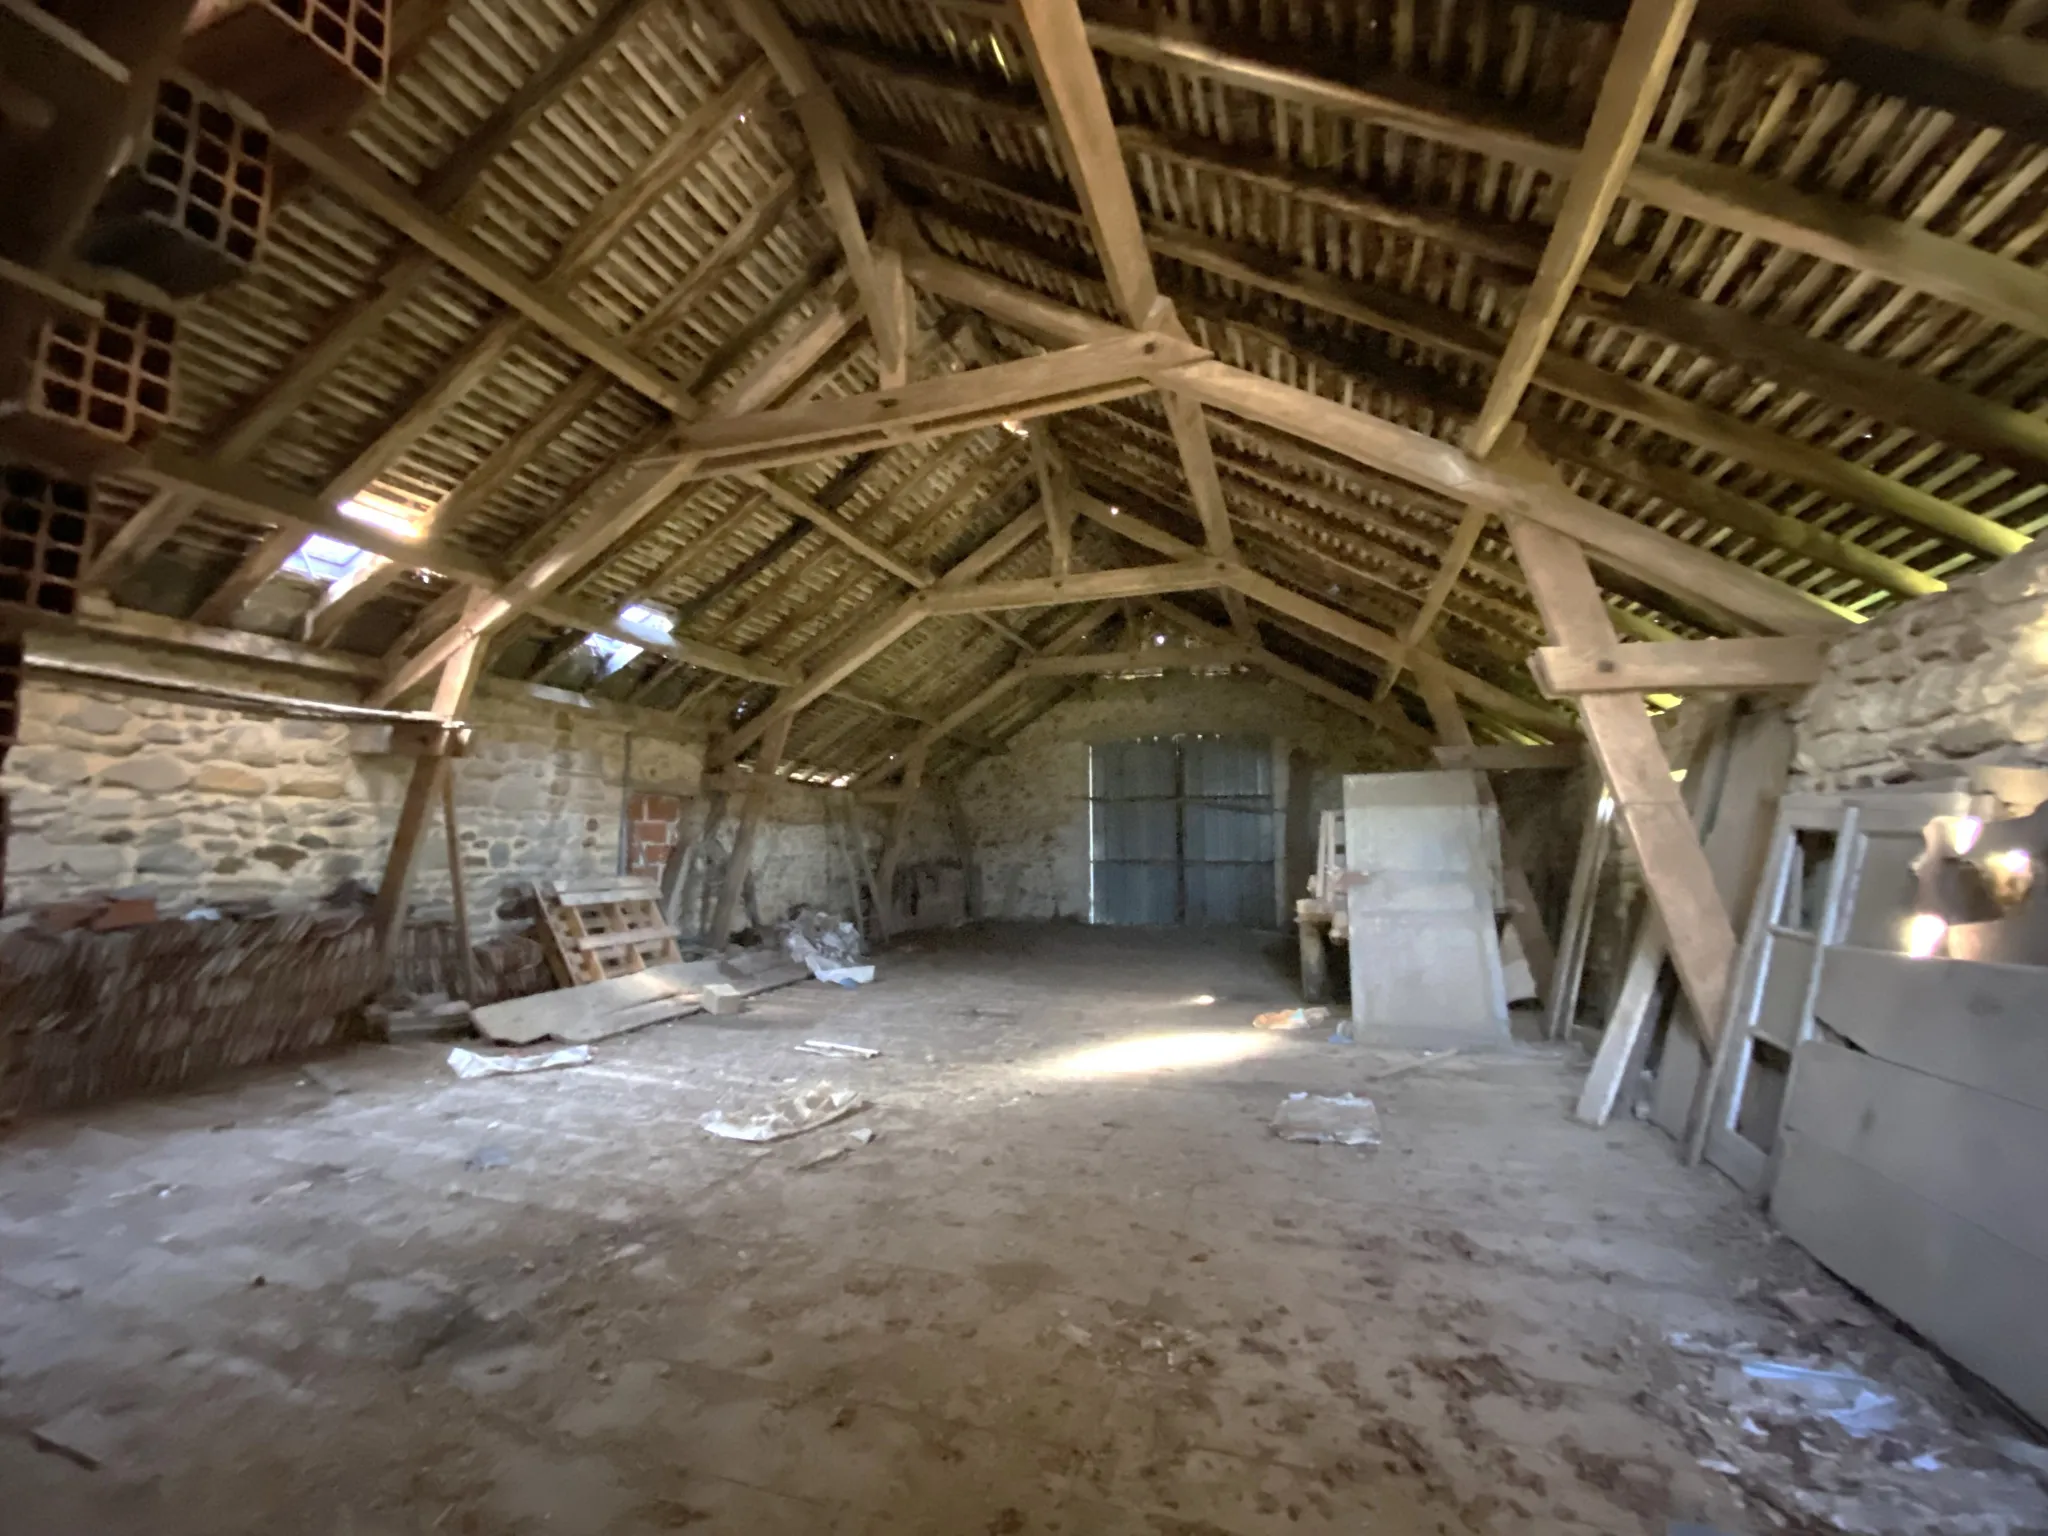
876, 344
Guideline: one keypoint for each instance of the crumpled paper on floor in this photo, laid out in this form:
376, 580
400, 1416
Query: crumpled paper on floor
1344, 1119
819, 1104
470, 1064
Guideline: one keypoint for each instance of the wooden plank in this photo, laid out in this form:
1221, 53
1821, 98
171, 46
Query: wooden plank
1629, 92
1561, 1010
1502, 758
617, 506
1409, 737
622, 938
1976, 1295
1966, 1022
248, 494
1438, 466
1374, 642
1027, 387
154, 629
363, 180
1464, 539
1055, 487
1974, 1153
1729, 197
1675, 868
1080, 587
1063, 65
1178, 658
1625, 1042
1680, 666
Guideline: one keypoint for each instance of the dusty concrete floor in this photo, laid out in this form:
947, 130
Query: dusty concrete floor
1058, 1292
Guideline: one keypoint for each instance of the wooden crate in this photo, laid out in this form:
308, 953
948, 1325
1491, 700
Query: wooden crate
597, 929
187, 211
306, 65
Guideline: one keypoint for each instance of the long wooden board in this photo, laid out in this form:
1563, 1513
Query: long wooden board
1970, 1291
1967, 1022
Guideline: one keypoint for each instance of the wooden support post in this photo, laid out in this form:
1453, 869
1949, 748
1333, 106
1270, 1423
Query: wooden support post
1563, 999
899, 827
963, 843
857, 836
1624, 742
472, 984
422, 793
759, 788
1524, 916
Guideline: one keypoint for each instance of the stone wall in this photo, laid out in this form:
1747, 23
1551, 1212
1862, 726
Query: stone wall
110, 788
1960, 676
1027, 810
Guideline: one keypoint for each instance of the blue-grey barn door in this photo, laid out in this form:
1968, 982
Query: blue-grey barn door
1181, 831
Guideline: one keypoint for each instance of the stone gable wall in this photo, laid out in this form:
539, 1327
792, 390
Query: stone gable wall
1027, 809
1960, 676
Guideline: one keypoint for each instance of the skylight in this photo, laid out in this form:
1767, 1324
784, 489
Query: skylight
326, 560
614, 653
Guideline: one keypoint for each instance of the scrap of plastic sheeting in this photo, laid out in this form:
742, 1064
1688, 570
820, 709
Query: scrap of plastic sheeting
839, 975
1866, 1411
470, 1064
819, 1104
1345, 1119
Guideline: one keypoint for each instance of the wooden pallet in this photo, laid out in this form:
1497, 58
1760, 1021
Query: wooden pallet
597, 929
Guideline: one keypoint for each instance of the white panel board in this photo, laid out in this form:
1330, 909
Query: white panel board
1425, 951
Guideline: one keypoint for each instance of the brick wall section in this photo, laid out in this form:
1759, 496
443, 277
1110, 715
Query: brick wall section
1961, 676
654, 823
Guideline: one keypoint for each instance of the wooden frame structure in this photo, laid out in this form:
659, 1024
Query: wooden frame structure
1683, 362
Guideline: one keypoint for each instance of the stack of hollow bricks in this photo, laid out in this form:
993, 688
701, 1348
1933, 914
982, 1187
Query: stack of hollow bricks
654, 824
185, 214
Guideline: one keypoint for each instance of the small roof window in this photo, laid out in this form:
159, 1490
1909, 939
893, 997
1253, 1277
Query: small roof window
614, 653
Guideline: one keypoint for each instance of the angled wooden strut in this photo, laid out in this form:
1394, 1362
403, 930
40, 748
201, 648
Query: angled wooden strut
1063, 64
1647, 801
618, 506
1033, 386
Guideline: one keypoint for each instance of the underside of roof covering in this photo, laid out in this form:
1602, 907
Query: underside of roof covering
1795, 380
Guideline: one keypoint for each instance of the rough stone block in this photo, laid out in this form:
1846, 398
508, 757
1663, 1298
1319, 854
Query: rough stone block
152, 773
229, 779
97, 718
313, 788
170, 859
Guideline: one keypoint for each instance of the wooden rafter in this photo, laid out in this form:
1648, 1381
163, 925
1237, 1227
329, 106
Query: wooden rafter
1643, 55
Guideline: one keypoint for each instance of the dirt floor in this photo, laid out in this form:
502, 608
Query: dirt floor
1072, 1284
